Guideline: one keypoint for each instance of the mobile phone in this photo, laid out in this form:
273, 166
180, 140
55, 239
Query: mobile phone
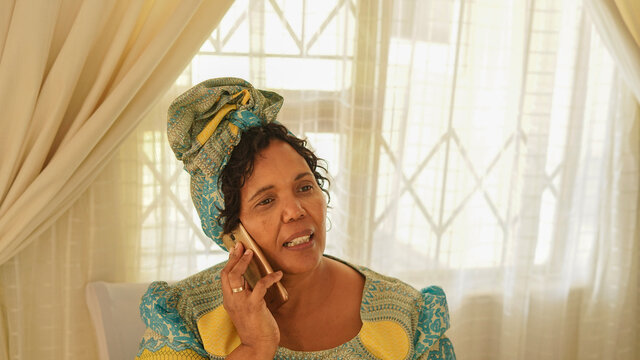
258, 267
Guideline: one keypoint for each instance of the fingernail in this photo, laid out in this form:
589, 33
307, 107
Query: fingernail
248, 252
230, 252
237, 246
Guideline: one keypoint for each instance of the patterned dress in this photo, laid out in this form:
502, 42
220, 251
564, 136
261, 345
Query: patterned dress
187, 321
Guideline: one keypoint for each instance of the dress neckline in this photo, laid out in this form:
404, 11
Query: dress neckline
366, 289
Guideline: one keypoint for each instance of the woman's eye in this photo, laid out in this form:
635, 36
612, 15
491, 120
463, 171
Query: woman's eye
306, 188
266, 201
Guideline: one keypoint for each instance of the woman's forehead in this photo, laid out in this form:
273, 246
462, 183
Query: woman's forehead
277, 162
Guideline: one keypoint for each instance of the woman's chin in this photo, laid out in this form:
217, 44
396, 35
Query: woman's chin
300, 261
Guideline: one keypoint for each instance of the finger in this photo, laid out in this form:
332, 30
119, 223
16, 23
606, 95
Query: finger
266, 282
235, 275
229, 285
235, 254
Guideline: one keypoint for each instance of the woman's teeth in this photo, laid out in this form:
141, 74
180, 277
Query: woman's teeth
298, 241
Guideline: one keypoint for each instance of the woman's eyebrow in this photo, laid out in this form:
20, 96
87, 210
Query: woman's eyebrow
301, 175
262, 189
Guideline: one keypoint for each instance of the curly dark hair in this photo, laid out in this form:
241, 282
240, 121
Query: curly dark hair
240, 167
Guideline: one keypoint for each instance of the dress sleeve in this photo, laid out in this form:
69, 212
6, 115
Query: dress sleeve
167, 336
430, 341
442, 349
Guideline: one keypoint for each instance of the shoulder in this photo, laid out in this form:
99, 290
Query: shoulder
192, 311
430, 300
381, 288
172, 310
390, 304
195, 293
390, 283
381, 284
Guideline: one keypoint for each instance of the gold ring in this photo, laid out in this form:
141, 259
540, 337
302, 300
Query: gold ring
238, 289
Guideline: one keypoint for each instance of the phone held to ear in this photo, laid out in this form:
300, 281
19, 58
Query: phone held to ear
258, 267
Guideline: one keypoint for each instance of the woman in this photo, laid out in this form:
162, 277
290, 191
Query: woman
246, 168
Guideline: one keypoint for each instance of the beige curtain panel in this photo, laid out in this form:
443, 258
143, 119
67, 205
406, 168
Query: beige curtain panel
618, 22
630, 12
75, 79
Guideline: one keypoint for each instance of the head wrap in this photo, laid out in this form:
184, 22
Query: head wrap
204, 126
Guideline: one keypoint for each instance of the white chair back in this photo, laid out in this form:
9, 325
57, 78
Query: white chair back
116, 318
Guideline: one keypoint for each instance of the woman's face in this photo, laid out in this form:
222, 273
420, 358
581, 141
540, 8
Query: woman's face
283, 209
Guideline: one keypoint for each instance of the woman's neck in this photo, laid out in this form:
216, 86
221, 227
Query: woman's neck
323, 310
308, 290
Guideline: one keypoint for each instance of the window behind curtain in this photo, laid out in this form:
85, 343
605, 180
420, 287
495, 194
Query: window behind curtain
469, 95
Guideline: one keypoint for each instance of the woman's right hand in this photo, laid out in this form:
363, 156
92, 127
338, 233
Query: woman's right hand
256, 326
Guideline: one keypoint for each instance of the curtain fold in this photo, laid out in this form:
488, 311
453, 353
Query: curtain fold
630, 11
614, 291
42, 288
618, 24
91, 70
70, 99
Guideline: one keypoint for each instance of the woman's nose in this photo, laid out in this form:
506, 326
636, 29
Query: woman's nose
293, 211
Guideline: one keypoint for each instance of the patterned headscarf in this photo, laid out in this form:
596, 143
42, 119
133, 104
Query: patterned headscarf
204, 126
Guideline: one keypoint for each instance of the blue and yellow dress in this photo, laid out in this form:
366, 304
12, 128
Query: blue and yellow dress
187, 321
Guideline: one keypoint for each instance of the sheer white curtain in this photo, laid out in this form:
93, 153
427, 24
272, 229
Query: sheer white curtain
485, 146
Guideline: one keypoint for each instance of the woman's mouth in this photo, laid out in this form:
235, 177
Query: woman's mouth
298, 241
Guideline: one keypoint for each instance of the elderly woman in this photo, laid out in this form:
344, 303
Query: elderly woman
246, 168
